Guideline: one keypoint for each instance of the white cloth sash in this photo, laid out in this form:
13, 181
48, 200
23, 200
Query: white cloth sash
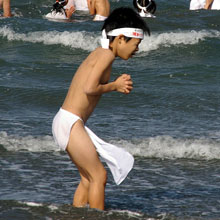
119, 161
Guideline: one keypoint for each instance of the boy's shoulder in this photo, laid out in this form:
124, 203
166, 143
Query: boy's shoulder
107, 52
100, 56
103, 54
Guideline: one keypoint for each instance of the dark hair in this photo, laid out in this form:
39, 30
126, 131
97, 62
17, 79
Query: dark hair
124, 17
58, 6
149, 4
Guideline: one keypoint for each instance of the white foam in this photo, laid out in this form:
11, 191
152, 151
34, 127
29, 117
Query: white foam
90, 40
28, 143
158, 40
128, 212
131, 214
53, 207
171, 148
153, 147
77, 39
32, 204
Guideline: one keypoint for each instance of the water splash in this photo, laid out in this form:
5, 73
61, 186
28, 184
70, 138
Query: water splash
176, 38
89, 41
163, 147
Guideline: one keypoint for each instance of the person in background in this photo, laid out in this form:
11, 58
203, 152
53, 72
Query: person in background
81, 5
212, 4
197, 4
208, 4
99, 8
5, 4
205, 4
69, 8
62, 9
145, 8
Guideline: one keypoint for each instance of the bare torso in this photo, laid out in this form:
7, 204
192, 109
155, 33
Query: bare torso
102, 7
99, 7
77, 101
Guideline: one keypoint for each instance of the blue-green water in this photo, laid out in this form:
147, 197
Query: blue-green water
170, 122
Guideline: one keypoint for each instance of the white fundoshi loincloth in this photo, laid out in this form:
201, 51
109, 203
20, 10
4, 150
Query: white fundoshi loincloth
119, 161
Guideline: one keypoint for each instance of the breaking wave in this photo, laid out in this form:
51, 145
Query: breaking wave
163, 147
89, 41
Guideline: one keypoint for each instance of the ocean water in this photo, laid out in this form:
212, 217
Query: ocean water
170, 122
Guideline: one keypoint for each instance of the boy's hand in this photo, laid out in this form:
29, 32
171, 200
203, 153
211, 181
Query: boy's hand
124, 84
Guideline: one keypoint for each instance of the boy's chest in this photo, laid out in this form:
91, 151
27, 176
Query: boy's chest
106, 76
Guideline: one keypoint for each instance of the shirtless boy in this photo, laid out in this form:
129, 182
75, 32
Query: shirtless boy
122, 33
5, 4
99, 8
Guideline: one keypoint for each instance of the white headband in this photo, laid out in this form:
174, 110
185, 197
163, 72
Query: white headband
128, 32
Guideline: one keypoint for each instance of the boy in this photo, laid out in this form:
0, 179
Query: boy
99, 8
123, 31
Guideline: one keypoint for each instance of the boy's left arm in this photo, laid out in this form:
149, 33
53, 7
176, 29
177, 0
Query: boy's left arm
101, 70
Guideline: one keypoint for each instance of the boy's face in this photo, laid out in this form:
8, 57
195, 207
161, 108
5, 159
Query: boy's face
126, 50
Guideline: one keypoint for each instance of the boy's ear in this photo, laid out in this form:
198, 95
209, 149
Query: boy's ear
121, 37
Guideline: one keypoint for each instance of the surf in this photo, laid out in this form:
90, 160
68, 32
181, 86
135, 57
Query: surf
160, 147
88, 41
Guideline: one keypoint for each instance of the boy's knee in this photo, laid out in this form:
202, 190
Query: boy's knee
100, 176
104, 176
85, 183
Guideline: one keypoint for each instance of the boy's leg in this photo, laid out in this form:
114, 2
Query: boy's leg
81, 195
93, 174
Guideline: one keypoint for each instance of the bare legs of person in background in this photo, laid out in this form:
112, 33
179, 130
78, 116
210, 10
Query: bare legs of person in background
208, 4
5, 4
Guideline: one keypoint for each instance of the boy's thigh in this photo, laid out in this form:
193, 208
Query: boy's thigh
82, 150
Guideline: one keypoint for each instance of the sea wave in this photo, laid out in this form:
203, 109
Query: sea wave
167, 147
169, 39
76, 39
89, 41
56, 211
163, 147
